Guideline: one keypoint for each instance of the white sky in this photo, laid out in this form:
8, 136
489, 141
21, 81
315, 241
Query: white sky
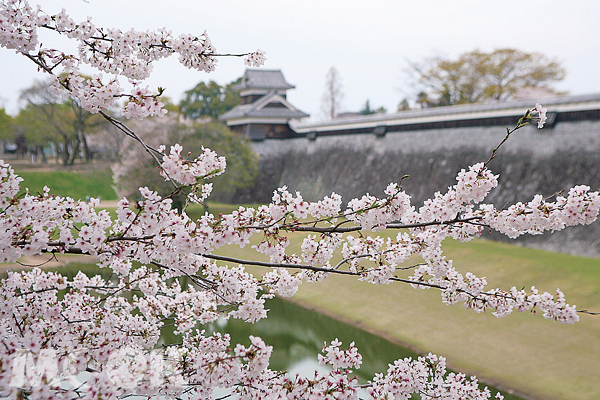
369, 42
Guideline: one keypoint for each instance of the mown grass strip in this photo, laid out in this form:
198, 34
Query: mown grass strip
78, 185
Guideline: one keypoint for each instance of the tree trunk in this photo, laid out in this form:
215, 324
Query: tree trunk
42, 154
74, 152
86, 149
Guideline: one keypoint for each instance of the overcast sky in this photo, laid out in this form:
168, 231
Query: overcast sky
369, 42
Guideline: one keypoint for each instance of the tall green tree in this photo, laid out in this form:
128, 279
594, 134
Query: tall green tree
5, 125
367, 110
209, 100
64, 123
32, 130
138, 169
477, 76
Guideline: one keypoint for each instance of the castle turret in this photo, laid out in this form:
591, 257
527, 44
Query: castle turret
264, 111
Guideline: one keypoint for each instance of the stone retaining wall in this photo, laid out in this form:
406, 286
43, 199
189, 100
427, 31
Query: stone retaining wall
531, 161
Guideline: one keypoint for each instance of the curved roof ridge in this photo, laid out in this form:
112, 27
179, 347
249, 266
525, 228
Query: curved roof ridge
263, 79
480, 110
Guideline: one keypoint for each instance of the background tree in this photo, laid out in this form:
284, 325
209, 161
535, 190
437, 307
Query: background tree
5, 122
5, 127
403, 105
138, 169
32, 130
64, 123
7, 133
332, 98
209, 100
367, 110
476, 77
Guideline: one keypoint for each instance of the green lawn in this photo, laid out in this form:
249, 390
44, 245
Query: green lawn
534, 356
522, 351
77, 185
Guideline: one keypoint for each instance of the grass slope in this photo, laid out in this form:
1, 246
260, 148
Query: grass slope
536, 357
77, 185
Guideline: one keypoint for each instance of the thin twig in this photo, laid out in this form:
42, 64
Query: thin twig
53, 257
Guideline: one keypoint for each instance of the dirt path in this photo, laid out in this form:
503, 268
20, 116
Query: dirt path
108, 204
27, 165
46, 261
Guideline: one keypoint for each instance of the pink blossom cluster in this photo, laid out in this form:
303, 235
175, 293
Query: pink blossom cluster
428, 377
142, 103
340, 359
186, 172
373, 213
9, 184
196, 53
130, 54
470, 290
539, 113
255, 59
281, 282
355, 250
33, 224
18, 25
471, 188
203, 363
580, 207
319, 251
286, 210
285, 204
72, 335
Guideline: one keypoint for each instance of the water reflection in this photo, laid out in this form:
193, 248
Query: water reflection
298, 334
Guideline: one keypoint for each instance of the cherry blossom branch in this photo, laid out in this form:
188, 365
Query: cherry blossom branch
52, 258
154, 153
337, 229
537, 114
483, 297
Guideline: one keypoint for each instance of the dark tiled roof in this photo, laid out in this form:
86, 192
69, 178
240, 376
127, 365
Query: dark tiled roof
483, 112
263, 79
269, 106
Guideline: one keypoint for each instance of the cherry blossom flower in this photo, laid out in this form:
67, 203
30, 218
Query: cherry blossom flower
541, 115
